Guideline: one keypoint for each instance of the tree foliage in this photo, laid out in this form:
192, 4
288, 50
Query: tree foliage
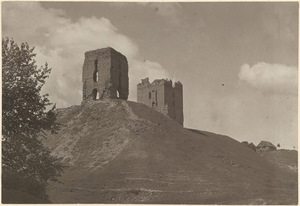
25, 117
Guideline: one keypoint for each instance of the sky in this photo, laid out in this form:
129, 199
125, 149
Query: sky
238, 62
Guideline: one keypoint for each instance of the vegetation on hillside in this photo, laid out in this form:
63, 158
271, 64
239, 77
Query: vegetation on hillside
27, 165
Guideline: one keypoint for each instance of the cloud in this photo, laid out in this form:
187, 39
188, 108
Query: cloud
274, 78
28, 20
62, 44
165, 9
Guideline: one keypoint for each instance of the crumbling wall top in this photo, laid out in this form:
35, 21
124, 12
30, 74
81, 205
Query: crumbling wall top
102, 50
108, 51
145, 83
161, 81
178, 85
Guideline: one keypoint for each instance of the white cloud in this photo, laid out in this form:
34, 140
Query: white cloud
62, 44
275, 78
28, 20
165, 9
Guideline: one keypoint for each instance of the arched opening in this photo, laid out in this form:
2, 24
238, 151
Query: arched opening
95, 94
119, 87
95, 75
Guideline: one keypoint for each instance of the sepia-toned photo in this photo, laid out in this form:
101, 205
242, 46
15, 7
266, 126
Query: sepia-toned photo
150, 102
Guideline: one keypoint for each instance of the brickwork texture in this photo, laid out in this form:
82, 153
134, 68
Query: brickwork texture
163, 96
105, 75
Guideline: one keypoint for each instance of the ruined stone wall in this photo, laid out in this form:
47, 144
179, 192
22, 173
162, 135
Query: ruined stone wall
119, 74
174, 101
161, 95
169, 99
152, 94
178, 100
105, 74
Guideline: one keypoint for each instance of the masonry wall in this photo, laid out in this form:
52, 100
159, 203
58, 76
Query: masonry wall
169, 99
151, 94
119, 75
178, 100
162, 96
105, 71
174, 101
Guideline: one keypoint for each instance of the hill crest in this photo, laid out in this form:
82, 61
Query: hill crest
125, 152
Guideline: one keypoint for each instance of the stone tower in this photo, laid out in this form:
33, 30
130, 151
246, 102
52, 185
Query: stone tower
105, 75
161, 95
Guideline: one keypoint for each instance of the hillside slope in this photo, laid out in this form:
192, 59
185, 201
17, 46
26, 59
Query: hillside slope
124, 152
286, 159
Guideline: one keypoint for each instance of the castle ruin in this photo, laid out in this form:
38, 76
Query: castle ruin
162, 96
105, 75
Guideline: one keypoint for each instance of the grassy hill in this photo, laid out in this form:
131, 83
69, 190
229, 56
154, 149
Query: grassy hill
17, 197
124, 152
286, 159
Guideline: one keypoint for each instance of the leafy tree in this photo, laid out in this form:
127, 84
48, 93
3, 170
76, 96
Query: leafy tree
25, 119
278, 145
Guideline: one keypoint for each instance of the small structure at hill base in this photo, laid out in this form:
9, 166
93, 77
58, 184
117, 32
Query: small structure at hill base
250, 145
105, 75
265, 146
162, 96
